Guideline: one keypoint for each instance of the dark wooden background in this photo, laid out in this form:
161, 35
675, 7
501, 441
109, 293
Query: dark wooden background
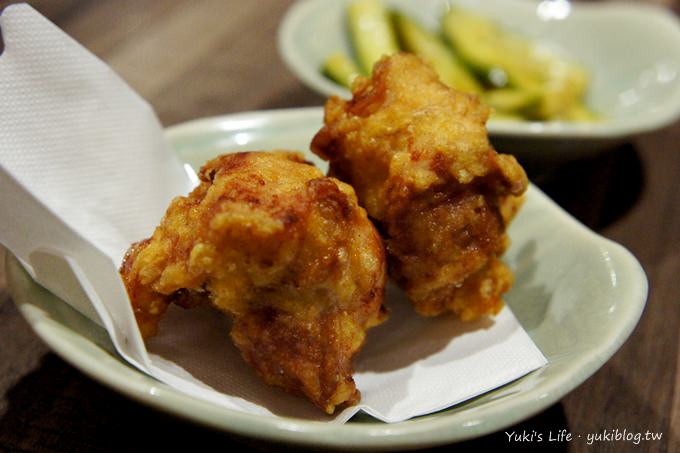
199, 58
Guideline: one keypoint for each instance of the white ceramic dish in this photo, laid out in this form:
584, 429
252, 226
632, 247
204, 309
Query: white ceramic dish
632, 52
577, 294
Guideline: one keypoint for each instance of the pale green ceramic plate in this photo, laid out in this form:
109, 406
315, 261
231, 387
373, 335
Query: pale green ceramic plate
577, 294
632, 52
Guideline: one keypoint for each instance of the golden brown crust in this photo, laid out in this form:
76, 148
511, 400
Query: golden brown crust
418, 155
287, 252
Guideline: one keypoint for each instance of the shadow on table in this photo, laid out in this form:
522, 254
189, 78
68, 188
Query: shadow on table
598, 190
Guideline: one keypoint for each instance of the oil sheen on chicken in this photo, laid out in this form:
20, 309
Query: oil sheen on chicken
283, 250
418, 155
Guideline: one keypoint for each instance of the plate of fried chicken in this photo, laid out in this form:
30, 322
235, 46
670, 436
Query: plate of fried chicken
414, 191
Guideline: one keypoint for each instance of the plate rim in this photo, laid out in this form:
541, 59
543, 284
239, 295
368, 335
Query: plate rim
418, 432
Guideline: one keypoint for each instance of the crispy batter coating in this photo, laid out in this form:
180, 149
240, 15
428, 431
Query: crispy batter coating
285, 251
418, 155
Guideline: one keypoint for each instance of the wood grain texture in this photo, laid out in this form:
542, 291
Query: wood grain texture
192, 59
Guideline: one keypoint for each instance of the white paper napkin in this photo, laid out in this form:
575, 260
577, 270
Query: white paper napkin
85, 171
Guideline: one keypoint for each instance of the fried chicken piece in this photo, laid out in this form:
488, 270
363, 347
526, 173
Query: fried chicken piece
418, 155
284, 250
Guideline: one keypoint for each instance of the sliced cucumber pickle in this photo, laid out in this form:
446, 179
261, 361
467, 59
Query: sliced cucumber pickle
516, 77
517, 63
414, 38
579, 112
511, 100
341, 69
371, 32
482, 45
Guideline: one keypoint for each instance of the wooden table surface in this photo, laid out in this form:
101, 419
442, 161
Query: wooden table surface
193, 59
